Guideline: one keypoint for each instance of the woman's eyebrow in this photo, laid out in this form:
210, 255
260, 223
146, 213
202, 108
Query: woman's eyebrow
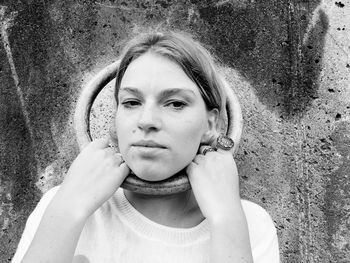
163, 94
174, 91
133, 91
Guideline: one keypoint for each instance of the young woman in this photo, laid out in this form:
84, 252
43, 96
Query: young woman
169, 98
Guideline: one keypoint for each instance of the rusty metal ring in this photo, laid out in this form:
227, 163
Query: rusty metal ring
175, 184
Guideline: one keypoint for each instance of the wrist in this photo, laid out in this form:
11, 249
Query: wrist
229, 215
66, 209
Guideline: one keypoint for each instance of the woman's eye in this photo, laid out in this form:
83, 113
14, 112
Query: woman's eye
177, 105
130, 103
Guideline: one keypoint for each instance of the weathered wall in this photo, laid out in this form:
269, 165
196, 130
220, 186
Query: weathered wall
294, 158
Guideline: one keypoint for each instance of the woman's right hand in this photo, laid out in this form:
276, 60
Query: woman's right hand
93, 178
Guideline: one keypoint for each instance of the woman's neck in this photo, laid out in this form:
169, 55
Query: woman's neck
177, 210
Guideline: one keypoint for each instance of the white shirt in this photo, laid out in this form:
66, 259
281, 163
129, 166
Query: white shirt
117, 232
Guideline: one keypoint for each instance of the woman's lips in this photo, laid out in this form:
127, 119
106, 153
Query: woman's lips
148, 148
149, 152
148, 144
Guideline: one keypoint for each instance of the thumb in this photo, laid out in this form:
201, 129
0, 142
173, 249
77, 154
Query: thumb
124, 170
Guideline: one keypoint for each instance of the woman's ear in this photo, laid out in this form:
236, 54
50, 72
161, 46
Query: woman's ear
210, 135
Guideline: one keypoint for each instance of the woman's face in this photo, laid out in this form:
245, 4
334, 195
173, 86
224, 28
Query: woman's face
161, 118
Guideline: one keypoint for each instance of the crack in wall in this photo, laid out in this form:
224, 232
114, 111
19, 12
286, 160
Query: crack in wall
6, 22
303, 200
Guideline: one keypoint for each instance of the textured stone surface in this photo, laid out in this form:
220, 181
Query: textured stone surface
288, 61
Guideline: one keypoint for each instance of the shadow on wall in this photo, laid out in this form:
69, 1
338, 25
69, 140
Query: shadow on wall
36, 92
275, 44
41, 96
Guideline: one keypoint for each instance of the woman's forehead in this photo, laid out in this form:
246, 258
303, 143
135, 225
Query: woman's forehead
162, 93
158, 72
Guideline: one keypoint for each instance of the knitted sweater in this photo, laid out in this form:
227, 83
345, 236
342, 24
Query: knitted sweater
117, 232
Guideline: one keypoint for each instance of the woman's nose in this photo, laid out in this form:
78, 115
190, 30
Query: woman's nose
149, 118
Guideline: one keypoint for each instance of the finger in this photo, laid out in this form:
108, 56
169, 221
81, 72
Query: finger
198, 158
110, 150
99, 143
189, 169
124, 170
119, 158
205, 149
115, 156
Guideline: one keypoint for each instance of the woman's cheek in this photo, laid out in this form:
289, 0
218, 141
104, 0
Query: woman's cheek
188, 145
194, 132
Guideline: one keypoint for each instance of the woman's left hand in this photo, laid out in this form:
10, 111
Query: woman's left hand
215, 184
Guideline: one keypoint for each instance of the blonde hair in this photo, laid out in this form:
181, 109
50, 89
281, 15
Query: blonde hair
182, 49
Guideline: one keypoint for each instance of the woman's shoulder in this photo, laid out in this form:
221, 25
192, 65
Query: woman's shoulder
42, 204
49, 194
255, 212
258, 219
262, 231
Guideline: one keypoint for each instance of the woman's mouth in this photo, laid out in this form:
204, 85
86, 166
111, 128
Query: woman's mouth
148, 144
148, 148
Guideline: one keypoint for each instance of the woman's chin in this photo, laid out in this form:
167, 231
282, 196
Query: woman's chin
151, 175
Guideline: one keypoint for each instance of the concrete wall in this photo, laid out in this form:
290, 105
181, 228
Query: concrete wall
288, 61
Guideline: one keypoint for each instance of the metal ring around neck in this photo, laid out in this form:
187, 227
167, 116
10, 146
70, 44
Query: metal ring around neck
175, 184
